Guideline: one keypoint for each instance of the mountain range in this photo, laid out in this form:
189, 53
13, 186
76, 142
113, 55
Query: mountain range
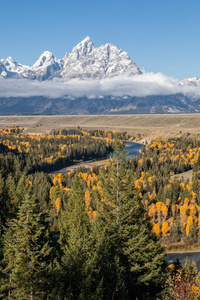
89, 64
85, 61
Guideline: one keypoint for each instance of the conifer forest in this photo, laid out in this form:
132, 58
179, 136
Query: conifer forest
100, 232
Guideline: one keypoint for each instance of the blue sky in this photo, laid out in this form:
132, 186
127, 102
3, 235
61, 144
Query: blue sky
160, 36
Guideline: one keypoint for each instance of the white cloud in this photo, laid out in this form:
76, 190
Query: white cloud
138, 85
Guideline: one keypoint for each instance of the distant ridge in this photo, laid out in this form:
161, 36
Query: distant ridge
107, 105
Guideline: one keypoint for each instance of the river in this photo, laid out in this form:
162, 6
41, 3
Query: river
133, 149
182, 256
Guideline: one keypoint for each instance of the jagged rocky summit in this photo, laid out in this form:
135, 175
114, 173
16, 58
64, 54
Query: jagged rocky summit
88, 63
85, 61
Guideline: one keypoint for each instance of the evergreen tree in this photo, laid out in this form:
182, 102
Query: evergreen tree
7, 262
27, 253
74, 240
133, 256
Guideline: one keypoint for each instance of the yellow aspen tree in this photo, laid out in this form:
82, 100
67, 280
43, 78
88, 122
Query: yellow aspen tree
152, 211
140, 194
60, 177
194, 196
87, 198
159, 206
165, 229
88, 182
186, 201
57, 206
137, 184
192, 209
156, 228
54, 193
183, 214
189, 225
91, 214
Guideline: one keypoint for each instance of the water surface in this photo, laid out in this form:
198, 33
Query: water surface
133, 149
182, 256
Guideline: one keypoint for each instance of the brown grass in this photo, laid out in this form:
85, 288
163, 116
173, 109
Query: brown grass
151, 125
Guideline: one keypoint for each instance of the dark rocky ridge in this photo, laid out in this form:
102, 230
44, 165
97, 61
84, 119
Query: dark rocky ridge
177, 103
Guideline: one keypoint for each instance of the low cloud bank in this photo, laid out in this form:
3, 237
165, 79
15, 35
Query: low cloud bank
138, 85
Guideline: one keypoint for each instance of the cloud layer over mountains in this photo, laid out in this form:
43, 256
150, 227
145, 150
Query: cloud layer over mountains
88, 71
118, 86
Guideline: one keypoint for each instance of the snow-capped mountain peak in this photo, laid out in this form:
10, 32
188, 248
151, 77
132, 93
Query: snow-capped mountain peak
191, 81
46, 66
85, 61
45, 58
9, 59
84, 47
10, 67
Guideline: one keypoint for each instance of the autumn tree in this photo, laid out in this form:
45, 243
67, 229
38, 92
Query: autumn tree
185, 282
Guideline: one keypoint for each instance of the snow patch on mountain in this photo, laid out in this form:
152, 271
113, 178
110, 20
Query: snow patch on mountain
85, 61
191, 81
10, 68
46, 66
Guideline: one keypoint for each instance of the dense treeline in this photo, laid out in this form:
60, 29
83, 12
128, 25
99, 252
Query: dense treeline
93, 132
59, 149
172, 204
94, 256
95, 233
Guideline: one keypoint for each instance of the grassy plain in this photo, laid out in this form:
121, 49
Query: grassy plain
151, 126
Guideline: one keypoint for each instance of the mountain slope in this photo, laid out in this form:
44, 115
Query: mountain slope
85, 61
12, 69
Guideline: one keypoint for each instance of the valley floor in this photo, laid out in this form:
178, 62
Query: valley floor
152, 126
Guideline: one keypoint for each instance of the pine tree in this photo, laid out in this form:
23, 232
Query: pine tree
7, 262
134, 257
28, 253
2, 223
74, 240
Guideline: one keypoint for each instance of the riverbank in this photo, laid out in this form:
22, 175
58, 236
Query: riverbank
132, 148
183, 251
181, 248
86, 164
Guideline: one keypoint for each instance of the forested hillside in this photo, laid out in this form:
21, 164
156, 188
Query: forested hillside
96, 233
60, 148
